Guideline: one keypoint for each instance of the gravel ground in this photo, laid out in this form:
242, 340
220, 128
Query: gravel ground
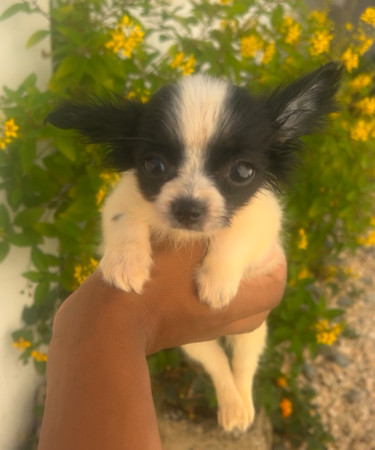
343, 376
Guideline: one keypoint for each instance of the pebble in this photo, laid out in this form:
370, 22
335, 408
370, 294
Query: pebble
334, 355
366, 280
370, 298
345, 302
309, 371
353, 396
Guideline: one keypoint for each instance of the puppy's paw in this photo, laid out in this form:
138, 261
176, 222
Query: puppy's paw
233, 414
216, 290
127, 269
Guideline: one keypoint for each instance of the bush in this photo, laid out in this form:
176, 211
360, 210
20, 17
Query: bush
55, 185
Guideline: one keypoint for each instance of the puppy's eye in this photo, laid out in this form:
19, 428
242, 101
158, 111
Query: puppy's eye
154, 166
241, 172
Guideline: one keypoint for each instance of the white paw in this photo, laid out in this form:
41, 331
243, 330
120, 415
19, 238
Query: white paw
233, 414
127, 269
215, 290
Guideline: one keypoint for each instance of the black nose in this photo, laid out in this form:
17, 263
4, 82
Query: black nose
188, 211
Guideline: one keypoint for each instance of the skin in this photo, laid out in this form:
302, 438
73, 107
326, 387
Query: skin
98, 386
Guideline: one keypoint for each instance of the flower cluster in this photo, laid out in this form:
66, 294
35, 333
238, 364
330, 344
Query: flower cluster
286, 407
253, 46
23, 344
183, 63
320, 40
82, 271
302, 242
109, 180
141, 94
8, 132
125, 37
368, 16
362, 130
292, 31
361, 81
326, 334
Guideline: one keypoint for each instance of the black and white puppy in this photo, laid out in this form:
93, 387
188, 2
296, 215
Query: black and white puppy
203, 159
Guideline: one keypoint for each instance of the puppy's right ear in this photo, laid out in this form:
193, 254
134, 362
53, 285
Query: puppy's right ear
102, 122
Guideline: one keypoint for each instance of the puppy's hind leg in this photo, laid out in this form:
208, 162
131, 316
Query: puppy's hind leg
247, 349
232, 413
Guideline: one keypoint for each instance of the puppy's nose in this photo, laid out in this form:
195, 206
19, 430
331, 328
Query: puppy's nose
188, 211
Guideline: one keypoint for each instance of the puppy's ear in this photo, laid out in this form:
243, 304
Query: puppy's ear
113, 123
100, 121
299, 108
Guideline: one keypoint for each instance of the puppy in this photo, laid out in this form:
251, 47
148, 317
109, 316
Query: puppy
203, 160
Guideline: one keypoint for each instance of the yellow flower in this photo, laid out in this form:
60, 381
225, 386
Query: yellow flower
281, 381
225, 2
304, 273
286, 407
10, 129
372, 221
368, 16
302, 244
326, 334
361, 130
188, 66
320, 17
250, 45
350, 59
292, 30
268, 53
320, 42
349, 26
39, 356
125, 37
21, 344
366, 106
369, 241
110, 178
360, 81
177, 60
81, 272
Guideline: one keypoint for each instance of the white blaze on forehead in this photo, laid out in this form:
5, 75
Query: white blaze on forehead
200, 109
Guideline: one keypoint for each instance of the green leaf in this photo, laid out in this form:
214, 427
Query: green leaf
45, 229
25, 334
37, 37
4, 218
28, 217
26, 239
35, 277
41, 292
42, 261
4, 250
14, 9
30, 315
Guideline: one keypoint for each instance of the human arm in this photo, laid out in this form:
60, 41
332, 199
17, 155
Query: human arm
98, 387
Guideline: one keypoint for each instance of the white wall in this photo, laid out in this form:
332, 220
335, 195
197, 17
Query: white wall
17, 382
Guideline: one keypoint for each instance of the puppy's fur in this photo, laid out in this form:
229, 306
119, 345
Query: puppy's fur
203, 160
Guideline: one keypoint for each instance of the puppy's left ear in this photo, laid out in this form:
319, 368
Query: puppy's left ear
300, 107
100, 121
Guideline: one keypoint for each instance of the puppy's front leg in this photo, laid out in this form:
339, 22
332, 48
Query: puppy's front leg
127, 258
237, 248
220, 273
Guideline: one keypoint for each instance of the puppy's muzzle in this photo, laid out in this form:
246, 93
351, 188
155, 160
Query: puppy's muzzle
189, 213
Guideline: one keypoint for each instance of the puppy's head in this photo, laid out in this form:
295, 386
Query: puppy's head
201, 148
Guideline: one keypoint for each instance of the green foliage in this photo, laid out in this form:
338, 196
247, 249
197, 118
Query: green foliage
54, 184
